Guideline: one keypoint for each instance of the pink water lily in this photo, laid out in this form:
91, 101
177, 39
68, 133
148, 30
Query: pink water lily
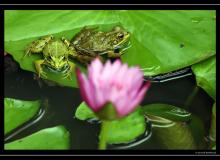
114, 83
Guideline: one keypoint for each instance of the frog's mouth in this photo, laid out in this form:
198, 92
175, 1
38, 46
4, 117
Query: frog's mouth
121, 48
63, 69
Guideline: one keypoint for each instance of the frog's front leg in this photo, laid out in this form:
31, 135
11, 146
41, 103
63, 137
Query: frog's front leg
112, 54
38, 45
38, 66
70, 71
71, 49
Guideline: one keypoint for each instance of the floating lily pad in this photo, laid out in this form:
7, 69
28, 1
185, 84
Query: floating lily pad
205, 73
46, 139
127, 129
17, 112
162, 41
120, 131
167, 111
83, 112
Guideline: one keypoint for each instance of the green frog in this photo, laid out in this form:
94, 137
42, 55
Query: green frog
55, 53
90, 43
84, 47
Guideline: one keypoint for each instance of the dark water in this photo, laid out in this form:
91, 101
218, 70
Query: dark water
63, 102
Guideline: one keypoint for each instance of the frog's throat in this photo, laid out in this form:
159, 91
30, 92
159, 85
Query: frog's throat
63, 69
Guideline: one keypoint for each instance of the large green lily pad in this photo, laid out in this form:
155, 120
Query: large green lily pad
162, 41
205, 73
46, 139
17, 112
120, 131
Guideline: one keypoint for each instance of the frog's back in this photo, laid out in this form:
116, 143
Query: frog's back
55, 47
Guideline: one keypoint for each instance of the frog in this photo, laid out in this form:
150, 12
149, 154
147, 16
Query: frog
55, 55
91, 43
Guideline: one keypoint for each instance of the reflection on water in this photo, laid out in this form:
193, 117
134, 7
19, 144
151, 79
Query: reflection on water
63, 101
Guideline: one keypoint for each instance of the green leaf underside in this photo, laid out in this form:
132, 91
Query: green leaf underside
167, 111
162, 41
205, 73
120, 131
46, 139
175, 128
176, 136
17, 112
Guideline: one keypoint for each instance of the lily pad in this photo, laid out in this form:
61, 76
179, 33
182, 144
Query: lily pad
167, 111
205, 73
120, 131
17, 112
162, 41
83, 112
167, 40
127, 129
46, 139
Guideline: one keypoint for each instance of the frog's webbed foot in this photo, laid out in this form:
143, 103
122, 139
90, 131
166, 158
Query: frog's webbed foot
70, 71
28, 51
38, 65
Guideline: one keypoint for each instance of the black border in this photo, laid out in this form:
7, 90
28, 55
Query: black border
106, 152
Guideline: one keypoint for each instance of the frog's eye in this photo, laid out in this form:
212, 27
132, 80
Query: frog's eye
120, 35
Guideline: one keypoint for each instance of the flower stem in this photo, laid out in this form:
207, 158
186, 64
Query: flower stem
103, 135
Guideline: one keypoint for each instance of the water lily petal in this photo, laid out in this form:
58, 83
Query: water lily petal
114, 83
86, 89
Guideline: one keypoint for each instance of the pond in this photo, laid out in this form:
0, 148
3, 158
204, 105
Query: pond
175, 52
63, 101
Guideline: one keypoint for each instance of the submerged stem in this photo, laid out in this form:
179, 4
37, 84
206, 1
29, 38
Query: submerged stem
103, 135
191, 96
